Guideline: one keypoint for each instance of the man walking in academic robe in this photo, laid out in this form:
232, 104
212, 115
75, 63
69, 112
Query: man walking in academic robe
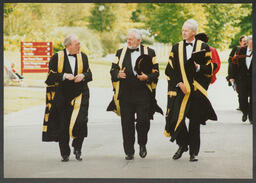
191, 76
241, 72
134, 94
233, 53
67, 98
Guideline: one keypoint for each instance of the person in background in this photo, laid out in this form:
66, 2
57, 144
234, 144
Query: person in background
233, 53
241, 72
15, 72
215, 56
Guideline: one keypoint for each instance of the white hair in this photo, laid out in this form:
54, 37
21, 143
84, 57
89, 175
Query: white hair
68, 39
135, 32
249, 37
192, 24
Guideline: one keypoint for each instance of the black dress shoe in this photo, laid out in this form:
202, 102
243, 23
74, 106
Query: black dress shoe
65, 158
129, 157
143, 151
77, 153
193, 158
244, 117
179, 152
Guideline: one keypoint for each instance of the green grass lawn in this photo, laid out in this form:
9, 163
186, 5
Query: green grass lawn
19, 98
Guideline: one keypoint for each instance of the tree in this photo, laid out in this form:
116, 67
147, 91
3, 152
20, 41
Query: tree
8, 9
244, 23
227, 22
163, 20
101, 18
218, 16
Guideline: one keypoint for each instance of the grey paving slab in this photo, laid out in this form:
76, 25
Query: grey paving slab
226, 145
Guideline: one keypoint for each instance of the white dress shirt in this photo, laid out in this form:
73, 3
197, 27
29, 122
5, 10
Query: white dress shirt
134, 56
189, 49
248, 60
72, 62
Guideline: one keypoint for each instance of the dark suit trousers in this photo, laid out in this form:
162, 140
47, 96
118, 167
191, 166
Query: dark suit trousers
128, 110
245, 93
189, 137
64, 135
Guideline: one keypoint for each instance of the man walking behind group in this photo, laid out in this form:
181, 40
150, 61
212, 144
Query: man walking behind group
241, 72
233, 53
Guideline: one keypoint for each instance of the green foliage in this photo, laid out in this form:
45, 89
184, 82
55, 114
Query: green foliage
76, 16
57, 46
146, 40
244, 23
218, 15
12, 42
41, 23
101, 18
164, 20
110, 42
8, 9
227, 22
52, 21
90, 43
135, 15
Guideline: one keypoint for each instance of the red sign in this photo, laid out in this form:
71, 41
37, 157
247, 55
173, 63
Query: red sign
35, 53
36, 65
38, 49
35, 57
36, 44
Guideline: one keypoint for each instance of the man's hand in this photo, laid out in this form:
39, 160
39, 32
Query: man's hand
122, 74
69, 76
78, 78
142, 77
196, 65
183, 87
231, 80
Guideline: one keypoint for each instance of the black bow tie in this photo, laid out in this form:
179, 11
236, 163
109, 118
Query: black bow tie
73, 55
132, 50
186, 44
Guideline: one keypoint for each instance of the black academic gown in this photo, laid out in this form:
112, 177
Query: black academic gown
171, 94
131, 87
184, 71
231, 55
243, 76
60, 94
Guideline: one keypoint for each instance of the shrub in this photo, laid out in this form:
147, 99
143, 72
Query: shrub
110, 42
90, 42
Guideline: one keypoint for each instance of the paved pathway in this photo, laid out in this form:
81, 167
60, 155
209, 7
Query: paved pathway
226, 145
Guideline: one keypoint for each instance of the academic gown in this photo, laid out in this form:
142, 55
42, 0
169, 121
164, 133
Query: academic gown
121, 87
183, 70
59, 92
